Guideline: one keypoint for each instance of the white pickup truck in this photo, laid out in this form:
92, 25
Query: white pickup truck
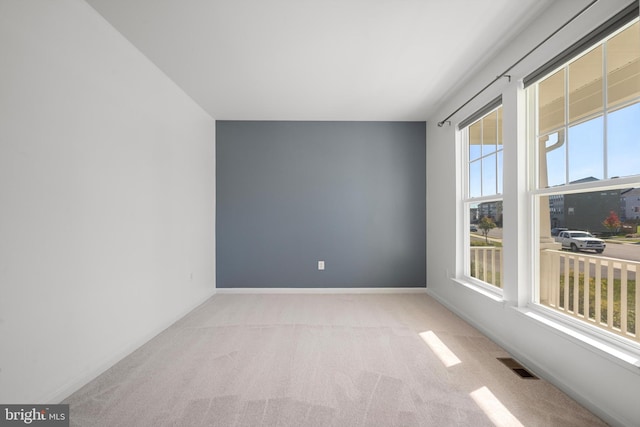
580, 240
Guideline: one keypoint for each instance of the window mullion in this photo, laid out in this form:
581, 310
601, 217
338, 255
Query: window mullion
481, 157
496, 150
605, 111
566, 125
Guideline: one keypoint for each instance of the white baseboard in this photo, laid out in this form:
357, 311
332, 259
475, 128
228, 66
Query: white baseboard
321, 290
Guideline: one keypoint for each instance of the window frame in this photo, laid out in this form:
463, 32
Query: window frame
615, 344
520, 201
467, 201
568, 124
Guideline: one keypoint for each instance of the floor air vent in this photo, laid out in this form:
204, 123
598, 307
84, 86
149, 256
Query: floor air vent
517, 368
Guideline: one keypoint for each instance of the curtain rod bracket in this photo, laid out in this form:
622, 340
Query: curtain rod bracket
440, 124
504, 74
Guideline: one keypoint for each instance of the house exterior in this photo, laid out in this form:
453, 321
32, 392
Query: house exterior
630, 205
587, 211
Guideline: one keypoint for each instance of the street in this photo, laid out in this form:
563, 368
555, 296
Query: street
622, 251
627, 251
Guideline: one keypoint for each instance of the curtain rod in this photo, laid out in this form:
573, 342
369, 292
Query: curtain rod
504, 73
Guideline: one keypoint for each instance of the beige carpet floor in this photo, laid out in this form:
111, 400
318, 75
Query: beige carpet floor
321, 360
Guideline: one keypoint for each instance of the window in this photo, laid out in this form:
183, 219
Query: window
585, 120
483, 202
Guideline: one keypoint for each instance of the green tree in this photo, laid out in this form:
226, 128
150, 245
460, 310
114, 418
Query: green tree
612, 222
485, 225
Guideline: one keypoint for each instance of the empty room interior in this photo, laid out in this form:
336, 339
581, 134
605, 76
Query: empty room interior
309, 213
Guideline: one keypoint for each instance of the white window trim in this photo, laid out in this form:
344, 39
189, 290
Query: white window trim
615, 346
589, 337
522, 194
463, 276
622, 351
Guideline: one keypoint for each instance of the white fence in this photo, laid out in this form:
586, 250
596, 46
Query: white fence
596, 289
486, 264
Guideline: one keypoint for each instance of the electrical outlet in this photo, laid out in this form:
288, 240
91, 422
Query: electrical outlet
320, 265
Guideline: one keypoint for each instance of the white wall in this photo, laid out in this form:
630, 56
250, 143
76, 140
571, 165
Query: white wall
607, 386
107, 182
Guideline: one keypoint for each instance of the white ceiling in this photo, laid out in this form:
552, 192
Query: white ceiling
319, 59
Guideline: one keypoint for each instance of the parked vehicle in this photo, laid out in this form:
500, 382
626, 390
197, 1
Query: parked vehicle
473, 228
579, 241
555, 231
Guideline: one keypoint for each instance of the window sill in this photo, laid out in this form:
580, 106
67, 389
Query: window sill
495, 295
625, 355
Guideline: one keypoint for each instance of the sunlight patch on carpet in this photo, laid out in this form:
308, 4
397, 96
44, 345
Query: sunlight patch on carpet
446, 356
494, 409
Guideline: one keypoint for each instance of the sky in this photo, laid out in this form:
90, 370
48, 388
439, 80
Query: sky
585, 149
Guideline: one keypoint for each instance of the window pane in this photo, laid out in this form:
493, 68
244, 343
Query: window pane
551, 102
475, 140
499, 172
489, 133
485, 239
586, 147
553, 164
570, 266
475, 179
489, 183
585, 85
623, 65
499, 124
484, 255
623, 142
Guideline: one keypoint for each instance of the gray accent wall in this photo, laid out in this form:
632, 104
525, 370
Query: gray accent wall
290, 194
